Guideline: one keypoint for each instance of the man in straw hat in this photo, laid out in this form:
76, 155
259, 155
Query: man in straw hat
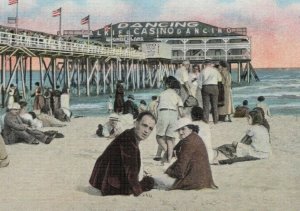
16, 129
112, 128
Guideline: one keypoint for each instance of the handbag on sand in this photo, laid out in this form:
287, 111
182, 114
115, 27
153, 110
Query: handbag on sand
190, 101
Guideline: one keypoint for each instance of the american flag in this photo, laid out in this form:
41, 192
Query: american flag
107, 27
85, 20
56, 12
10, 2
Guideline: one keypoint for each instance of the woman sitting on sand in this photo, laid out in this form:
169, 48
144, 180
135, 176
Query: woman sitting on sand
253, 146
191, 170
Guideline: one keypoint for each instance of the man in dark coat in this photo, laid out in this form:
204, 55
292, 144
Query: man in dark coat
116, 171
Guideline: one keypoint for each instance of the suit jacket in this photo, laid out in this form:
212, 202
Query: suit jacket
191, 169
13, 123
116, 170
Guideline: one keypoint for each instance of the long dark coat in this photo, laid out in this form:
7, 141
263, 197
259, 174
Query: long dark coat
119, 99
191, 169
116, 170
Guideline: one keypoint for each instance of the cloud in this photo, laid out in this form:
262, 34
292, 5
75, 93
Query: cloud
273, 29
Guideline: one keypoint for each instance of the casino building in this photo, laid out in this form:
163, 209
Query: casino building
190, 40
183, 40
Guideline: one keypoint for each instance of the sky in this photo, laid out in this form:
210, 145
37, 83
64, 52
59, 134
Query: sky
273, 25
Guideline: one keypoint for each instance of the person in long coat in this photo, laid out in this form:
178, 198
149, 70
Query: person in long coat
191, 170
227, 109
39, 100
119, 98
118, 170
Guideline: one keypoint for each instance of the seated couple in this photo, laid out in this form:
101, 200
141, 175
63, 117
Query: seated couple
254, 145
118, 170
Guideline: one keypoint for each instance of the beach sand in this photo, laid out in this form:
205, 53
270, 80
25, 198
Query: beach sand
55, 176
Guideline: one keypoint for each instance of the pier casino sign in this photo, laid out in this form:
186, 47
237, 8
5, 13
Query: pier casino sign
149, 31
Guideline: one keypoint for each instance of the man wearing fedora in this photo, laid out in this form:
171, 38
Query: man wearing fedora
16, 129
208, 83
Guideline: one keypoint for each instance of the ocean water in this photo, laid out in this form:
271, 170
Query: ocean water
280, 87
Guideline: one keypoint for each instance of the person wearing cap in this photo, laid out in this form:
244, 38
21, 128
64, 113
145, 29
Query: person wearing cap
112, 128
260, 103
16, 129
182, 75
208, 81
130, 107
118, 170
191, 170
170, 108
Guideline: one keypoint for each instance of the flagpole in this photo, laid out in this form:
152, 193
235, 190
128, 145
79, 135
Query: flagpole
60, 22
17, 16
111, 35
89, 26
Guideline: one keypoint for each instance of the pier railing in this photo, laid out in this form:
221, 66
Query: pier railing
213, 57
47, 44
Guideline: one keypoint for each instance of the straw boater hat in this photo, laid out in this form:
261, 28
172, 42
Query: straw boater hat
186, 62
183, 122
114, 117
208, 61
14, 106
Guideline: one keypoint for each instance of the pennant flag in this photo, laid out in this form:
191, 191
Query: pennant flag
10, 2
85, 20
56, 12
11, 20
107, 27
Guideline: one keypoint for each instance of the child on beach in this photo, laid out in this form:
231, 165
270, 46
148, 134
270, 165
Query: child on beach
110, 105
263, 105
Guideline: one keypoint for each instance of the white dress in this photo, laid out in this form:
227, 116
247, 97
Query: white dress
260, 146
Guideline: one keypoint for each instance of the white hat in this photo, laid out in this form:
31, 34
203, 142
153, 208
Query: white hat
15, 106
186, 62
114, 117
183, 122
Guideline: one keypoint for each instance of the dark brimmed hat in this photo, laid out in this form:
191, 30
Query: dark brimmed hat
131, 96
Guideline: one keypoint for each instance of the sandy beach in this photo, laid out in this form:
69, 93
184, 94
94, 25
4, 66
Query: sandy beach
55, 176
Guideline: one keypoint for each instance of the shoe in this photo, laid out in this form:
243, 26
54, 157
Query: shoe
49, 139
157, 158
34, 142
